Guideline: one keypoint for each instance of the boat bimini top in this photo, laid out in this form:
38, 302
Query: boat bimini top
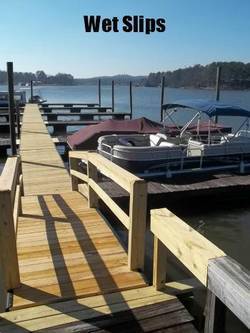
207, 107
210, 108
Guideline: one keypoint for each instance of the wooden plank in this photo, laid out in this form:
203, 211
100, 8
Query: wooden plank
190, 247
137, 225
80, 176
230, 282
67, 250
119, 213
159, 264
113, 171
144, 304
40, 159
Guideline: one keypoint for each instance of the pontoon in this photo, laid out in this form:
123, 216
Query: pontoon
203, 147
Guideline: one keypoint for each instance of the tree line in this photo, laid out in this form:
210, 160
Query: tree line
40, 77
235, 75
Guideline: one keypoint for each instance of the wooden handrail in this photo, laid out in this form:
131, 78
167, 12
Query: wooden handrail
10, 206
227, 281
189, 246
135, 222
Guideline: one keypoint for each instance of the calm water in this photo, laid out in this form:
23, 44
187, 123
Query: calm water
228, 226
226, 223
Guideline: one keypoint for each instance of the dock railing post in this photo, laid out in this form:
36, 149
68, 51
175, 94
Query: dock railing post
9, 269
137, 226
159, 264
92, 196
11, 108
74, 165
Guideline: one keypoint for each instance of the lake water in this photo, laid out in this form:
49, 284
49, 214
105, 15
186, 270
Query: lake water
226, 223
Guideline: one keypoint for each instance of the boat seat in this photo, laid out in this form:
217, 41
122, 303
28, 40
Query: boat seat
196, 148
166, 144
157, 139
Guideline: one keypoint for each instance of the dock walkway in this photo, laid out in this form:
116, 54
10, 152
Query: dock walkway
74, 273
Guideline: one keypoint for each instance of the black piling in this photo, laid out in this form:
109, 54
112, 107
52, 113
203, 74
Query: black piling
217, 89
11, 108
113, 96
162, 96
31, 91
99, 93
131, 99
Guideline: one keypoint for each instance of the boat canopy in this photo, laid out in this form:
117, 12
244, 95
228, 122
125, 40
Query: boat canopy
211, 108
86, 138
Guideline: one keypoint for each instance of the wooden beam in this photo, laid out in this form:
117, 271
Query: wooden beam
119, 213
79, 175
137, 226
92, 174
215, 312
74, 168
9, 176
8, 250
186, 244
230, 282
159, 264
113, 171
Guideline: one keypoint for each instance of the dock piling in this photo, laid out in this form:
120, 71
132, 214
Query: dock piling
31, 91
162, 96
113, 96
11, 108
131, 99
99, 92
217, 91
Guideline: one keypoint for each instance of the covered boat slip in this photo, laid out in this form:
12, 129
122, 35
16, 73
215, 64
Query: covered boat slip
67, 270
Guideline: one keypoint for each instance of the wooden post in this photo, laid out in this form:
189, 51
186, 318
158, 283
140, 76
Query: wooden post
11, 108
18, 120
159, 264
137, 226
8, 250
162, 96
217, 89
131, 99
99, 93
74, 165
92, 196
215, 312
31, 91
113, 96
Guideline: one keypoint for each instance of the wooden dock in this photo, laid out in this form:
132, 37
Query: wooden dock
60, 262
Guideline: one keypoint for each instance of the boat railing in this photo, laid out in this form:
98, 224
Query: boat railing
11, 190
135, 220
227, 282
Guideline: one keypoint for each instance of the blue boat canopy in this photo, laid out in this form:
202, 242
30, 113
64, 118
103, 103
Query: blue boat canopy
211, 108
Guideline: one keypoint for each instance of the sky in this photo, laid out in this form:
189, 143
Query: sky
49, 35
